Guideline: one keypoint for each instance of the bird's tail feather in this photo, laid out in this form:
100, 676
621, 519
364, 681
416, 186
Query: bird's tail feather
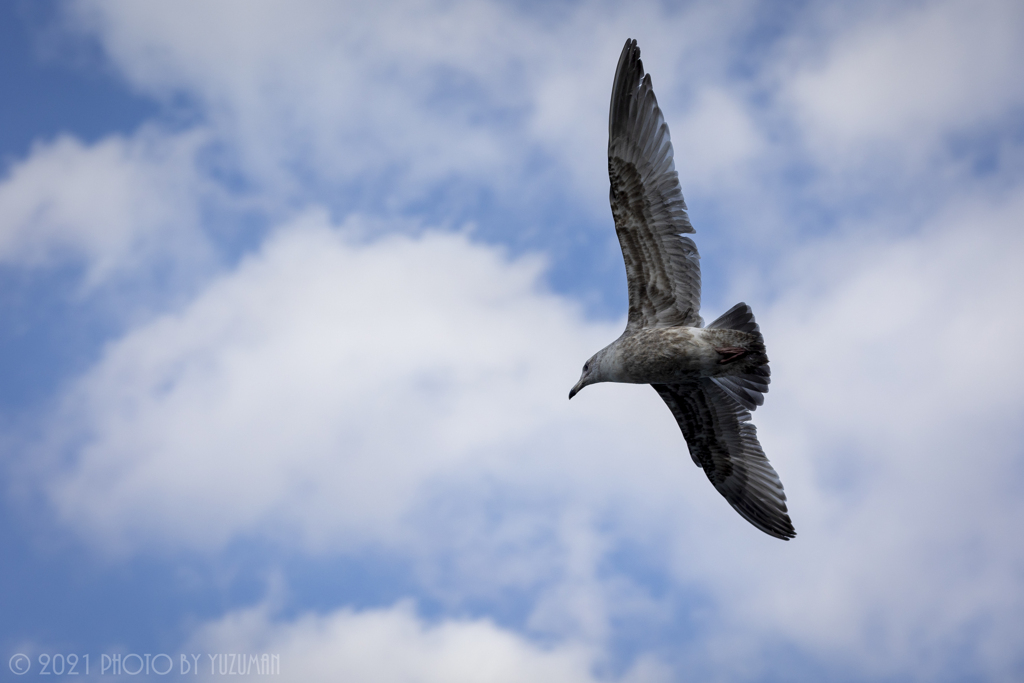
739, 317
747, 389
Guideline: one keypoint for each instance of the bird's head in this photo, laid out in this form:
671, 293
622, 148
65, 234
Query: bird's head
591, 374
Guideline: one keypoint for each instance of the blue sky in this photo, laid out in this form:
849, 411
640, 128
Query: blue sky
293, 293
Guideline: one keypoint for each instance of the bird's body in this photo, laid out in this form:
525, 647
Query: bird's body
710, 377
670, 355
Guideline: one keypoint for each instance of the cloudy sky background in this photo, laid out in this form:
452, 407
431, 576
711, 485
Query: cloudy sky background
292, 295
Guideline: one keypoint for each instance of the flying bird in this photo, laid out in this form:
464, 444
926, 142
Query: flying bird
710, 377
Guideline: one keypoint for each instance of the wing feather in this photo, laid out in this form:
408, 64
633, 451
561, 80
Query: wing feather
724, 443
662, 266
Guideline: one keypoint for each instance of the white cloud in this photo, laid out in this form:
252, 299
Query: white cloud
317, 388
717, 137
405, 93
120, 203
397, 98
394, 644
905, 77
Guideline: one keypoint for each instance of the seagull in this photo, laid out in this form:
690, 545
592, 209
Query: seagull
710, 377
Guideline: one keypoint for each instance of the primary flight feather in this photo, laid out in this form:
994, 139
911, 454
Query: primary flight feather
710, 377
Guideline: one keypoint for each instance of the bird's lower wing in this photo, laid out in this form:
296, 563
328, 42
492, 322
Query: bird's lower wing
723, 441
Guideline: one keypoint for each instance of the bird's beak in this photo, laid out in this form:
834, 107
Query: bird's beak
576, 389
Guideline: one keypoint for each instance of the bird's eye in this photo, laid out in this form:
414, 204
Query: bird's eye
586, 366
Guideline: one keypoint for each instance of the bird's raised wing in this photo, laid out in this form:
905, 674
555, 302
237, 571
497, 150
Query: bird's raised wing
724, 442
662, 266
